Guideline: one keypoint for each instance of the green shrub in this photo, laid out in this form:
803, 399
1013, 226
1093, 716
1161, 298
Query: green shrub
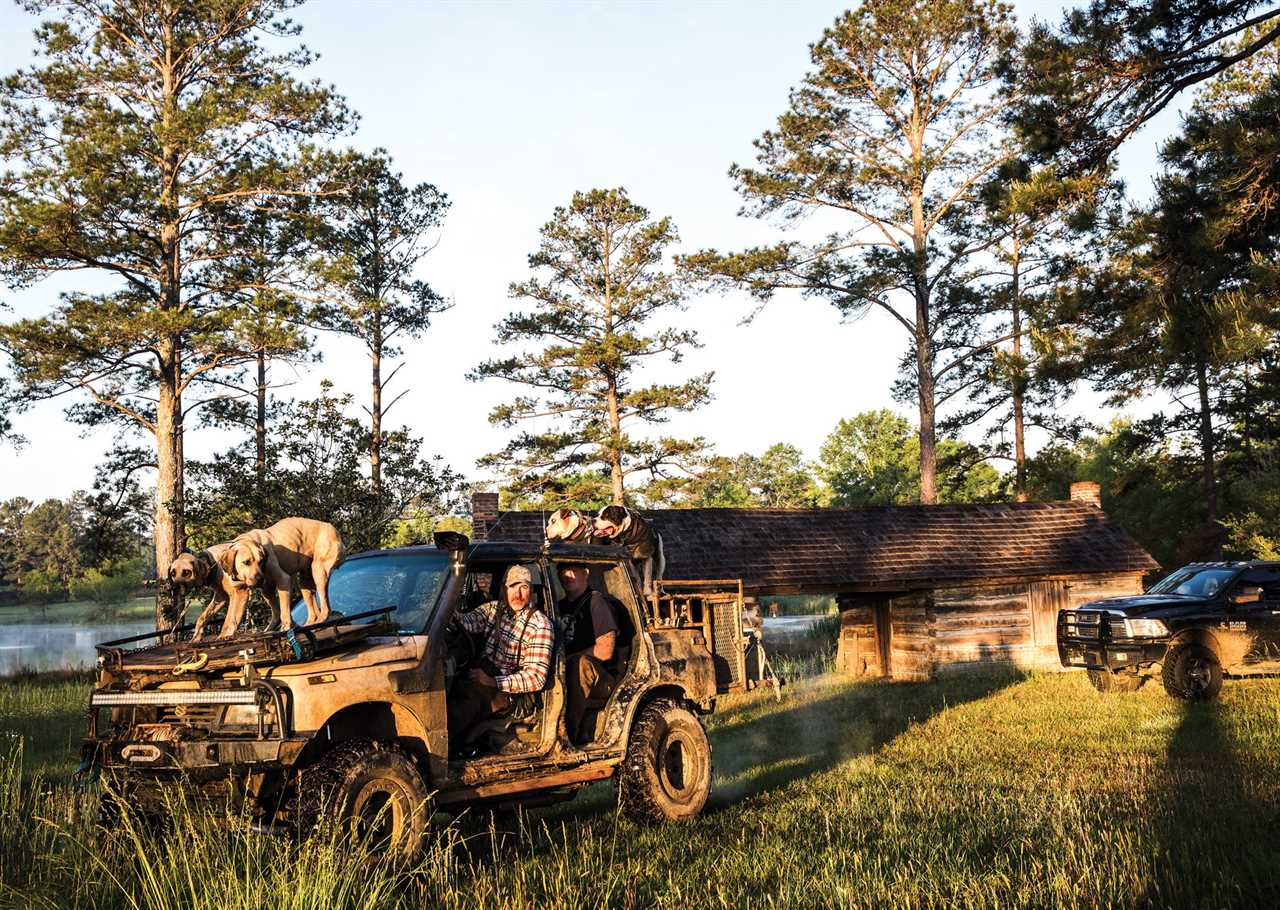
1249, 536
42, 586
112, 583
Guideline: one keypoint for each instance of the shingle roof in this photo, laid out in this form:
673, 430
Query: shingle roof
884, 548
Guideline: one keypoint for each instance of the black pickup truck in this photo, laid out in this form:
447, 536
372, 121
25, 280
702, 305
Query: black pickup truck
1204, 622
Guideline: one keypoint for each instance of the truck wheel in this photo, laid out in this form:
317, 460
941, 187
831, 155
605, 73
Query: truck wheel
1107, 682
666, 775
120, 807
1192, 672
371, 790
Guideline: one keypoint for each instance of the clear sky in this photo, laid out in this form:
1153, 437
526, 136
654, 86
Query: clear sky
509, 108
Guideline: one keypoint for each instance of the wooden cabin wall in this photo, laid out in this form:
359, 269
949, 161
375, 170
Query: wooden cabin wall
983, 624
965, 626
912, 643
1084, 588
886, 636
857, 653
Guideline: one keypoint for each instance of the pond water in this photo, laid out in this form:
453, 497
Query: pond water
68, 646
58, 645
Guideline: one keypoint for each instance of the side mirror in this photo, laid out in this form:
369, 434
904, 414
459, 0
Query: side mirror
1246, 594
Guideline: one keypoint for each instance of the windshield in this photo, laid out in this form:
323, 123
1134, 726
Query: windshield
1194, 582
410, 582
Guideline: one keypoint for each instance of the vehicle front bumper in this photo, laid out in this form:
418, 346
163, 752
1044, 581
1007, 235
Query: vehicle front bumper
159, 757
1110, 655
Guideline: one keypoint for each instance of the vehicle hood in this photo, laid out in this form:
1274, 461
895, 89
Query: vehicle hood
1142, 604
368, 653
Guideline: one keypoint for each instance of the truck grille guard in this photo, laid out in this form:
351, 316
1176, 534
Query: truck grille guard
1094, 626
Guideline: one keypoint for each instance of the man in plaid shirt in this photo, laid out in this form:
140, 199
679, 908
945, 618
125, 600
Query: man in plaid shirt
515, 659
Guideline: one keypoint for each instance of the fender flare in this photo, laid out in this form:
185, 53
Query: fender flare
1196, 636
383, 719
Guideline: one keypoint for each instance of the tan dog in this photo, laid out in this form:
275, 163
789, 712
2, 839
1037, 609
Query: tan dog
202, 570
270, 559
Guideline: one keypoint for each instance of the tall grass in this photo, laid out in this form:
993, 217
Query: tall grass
973, 791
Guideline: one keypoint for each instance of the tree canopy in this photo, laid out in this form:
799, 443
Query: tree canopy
132, 145
889, 139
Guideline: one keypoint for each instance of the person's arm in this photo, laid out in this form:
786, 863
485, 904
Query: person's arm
535, 659
605, 625
477, 621
604, 647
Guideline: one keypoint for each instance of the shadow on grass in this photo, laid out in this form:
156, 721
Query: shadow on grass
760, 745
754, 754
1217, 819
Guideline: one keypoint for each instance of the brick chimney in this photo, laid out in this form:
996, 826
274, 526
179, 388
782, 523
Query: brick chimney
1087, 491
484, 514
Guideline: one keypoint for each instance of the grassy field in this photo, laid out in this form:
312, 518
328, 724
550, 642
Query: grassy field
971, 791
79, 611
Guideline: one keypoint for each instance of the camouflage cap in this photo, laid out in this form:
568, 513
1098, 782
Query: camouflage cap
518, 575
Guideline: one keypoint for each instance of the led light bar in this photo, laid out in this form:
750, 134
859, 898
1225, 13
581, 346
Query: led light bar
175, 697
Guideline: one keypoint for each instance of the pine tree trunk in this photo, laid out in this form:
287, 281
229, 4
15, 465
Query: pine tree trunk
170, 531
375, 415
260, 420
1019, 381
924, 381
1207, 445
615, 451
928, 433
923, 337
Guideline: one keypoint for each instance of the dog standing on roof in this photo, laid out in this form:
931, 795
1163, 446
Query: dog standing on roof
621, 527
571, 526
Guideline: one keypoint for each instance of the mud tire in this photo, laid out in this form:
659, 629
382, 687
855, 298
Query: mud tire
373, 792
1109, 683
121, 809
1192, 672
666, 775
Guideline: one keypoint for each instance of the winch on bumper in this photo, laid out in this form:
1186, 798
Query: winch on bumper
189, 729
1099, 640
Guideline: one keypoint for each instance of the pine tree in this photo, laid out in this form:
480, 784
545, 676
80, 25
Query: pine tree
1155, 315
602, 261
1036, 221
1110, 66
382, 229
890, 138
143, 126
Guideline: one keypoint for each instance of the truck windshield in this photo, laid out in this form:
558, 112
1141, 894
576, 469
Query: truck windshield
1194, 582
410, 582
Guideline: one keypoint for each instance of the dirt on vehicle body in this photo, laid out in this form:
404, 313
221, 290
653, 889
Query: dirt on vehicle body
350, 716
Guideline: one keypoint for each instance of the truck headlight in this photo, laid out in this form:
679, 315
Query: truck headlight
1145, 628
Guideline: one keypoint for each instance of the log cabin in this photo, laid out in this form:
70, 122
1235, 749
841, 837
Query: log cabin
921, 589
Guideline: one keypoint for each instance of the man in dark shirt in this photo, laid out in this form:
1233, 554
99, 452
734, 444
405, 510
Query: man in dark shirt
591, 649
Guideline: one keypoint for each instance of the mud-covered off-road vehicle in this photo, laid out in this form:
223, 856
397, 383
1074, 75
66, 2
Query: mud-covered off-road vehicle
1201, 624
348, 717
